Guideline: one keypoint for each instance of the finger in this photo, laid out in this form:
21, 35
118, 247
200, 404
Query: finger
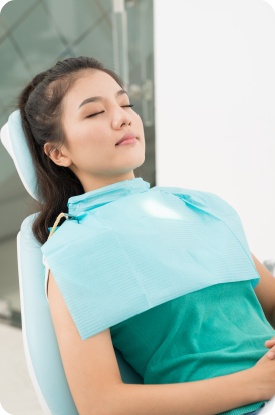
271, 353
270, 343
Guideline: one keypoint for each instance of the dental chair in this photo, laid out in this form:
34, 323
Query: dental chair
40, 344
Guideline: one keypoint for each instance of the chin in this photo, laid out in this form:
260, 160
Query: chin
137, 165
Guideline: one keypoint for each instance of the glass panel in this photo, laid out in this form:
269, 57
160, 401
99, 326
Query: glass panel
120, 41
141, 74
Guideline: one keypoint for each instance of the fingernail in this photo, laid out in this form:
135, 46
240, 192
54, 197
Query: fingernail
271, 355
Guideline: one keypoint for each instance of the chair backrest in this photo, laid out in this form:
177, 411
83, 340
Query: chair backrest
40, 345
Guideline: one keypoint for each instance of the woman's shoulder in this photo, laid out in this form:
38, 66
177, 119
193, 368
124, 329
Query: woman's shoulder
199, 198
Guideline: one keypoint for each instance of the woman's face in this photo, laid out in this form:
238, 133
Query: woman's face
104, 137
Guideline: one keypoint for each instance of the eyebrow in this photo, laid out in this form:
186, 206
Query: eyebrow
96, 99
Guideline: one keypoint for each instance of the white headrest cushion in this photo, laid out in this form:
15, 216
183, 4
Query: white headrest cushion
13, 139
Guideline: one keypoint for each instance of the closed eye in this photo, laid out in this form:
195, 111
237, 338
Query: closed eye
127, 106
93, 115
101, 112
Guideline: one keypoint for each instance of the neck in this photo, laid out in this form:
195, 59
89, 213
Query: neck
94, 183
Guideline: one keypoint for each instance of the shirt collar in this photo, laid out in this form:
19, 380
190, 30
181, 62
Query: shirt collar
106, 194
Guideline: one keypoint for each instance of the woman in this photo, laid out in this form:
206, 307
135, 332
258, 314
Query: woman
163, 274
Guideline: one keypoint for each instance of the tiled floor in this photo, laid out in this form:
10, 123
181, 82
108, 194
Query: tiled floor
17, 396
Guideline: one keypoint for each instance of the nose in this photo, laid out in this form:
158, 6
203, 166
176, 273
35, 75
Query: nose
121, 118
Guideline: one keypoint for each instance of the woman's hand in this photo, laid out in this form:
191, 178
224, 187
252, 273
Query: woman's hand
264, 370
270, 344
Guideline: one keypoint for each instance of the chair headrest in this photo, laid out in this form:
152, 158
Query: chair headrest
13, 139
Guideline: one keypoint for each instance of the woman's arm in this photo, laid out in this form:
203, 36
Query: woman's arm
265, 291
97, 388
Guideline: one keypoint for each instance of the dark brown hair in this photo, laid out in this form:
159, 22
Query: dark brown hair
40, 105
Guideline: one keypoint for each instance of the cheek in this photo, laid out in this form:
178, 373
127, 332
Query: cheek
139, 123
91, 148
93, 134
83, 139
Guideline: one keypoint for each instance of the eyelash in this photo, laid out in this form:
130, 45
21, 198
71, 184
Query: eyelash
101, 112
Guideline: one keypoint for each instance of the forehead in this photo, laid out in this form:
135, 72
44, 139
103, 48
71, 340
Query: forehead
91, 83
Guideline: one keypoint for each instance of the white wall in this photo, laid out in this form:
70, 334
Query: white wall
215, 106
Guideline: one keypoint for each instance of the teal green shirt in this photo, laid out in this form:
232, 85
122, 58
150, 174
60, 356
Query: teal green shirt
211, 332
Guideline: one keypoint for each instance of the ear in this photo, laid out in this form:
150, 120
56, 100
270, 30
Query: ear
57, 155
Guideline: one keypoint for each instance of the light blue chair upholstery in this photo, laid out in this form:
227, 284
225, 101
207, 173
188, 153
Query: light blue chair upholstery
40, 345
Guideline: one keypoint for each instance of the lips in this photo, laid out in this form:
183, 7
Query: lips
128, 138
